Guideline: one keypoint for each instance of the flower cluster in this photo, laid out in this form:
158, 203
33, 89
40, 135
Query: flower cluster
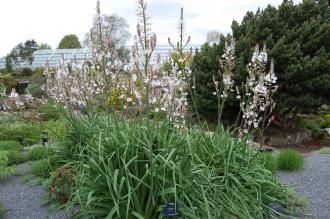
227, 64
259, 89
140, 87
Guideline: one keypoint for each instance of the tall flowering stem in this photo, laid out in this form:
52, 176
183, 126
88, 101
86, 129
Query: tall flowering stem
226, 73
259, 88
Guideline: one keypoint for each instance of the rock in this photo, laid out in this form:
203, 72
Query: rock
325, 107
327, 130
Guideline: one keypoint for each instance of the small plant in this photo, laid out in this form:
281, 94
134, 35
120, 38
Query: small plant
51, 110
35, 90
15, 157
42, 168
10, 145
290, 160
2, 210
324, 151
269, 161
62, 184
37, 153
315, 125
28, 133
4, 170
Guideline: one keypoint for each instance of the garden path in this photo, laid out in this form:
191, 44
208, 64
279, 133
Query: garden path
314, 182
23, 200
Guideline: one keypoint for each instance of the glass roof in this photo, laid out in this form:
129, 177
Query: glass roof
54, 56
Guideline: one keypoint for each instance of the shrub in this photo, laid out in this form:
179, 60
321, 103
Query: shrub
51, 110
315, 125
140, 168
42, 168
56, 129
27, 72
30, 133
2, 210
39, 71
37, 153
290, 160
10, 145
4, 170
324, 151
3, 158
36, 90
269, 161
15, 157
37, 77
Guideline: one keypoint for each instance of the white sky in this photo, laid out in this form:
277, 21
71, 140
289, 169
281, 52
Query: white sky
48, 21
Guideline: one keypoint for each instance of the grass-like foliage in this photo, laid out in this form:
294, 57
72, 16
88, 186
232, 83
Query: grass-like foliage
5, 171
290, 160
324, 151
42, 168
2, 210
28, 132
15, 157
10, 145
52, 111
129, 170
270, 162
37, 153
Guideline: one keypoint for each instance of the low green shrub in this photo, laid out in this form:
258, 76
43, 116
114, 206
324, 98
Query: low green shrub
324, 151
5, 171
3, 158
289, 160
36, 90
129, 170
315, 125
2, 210
10, 145
269, 161
51, 110
29, 133
42, 168
37, 153
27, 72
15, 157
55, 129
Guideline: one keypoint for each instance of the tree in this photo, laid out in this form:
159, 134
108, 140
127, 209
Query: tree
23, 52
44, 46
297, 38
213, 36
115, 29
9, 65
70, 41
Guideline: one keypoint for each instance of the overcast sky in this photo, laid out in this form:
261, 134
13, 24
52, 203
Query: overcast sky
48, 21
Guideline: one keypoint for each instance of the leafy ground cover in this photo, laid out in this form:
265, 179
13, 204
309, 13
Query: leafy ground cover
121, 165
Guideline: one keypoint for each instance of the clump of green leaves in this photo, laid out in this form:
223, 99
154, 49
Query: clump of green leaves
269, 161
52, 111
2, 210
5, 171
37, 153
42, 168
137, 168
10, 145
324, 151
15, 157
315, 125
290, 160
29, 133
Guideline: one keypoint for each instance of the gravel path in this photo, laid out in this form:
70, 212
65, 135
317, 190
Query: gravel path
22, 200
314, 181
